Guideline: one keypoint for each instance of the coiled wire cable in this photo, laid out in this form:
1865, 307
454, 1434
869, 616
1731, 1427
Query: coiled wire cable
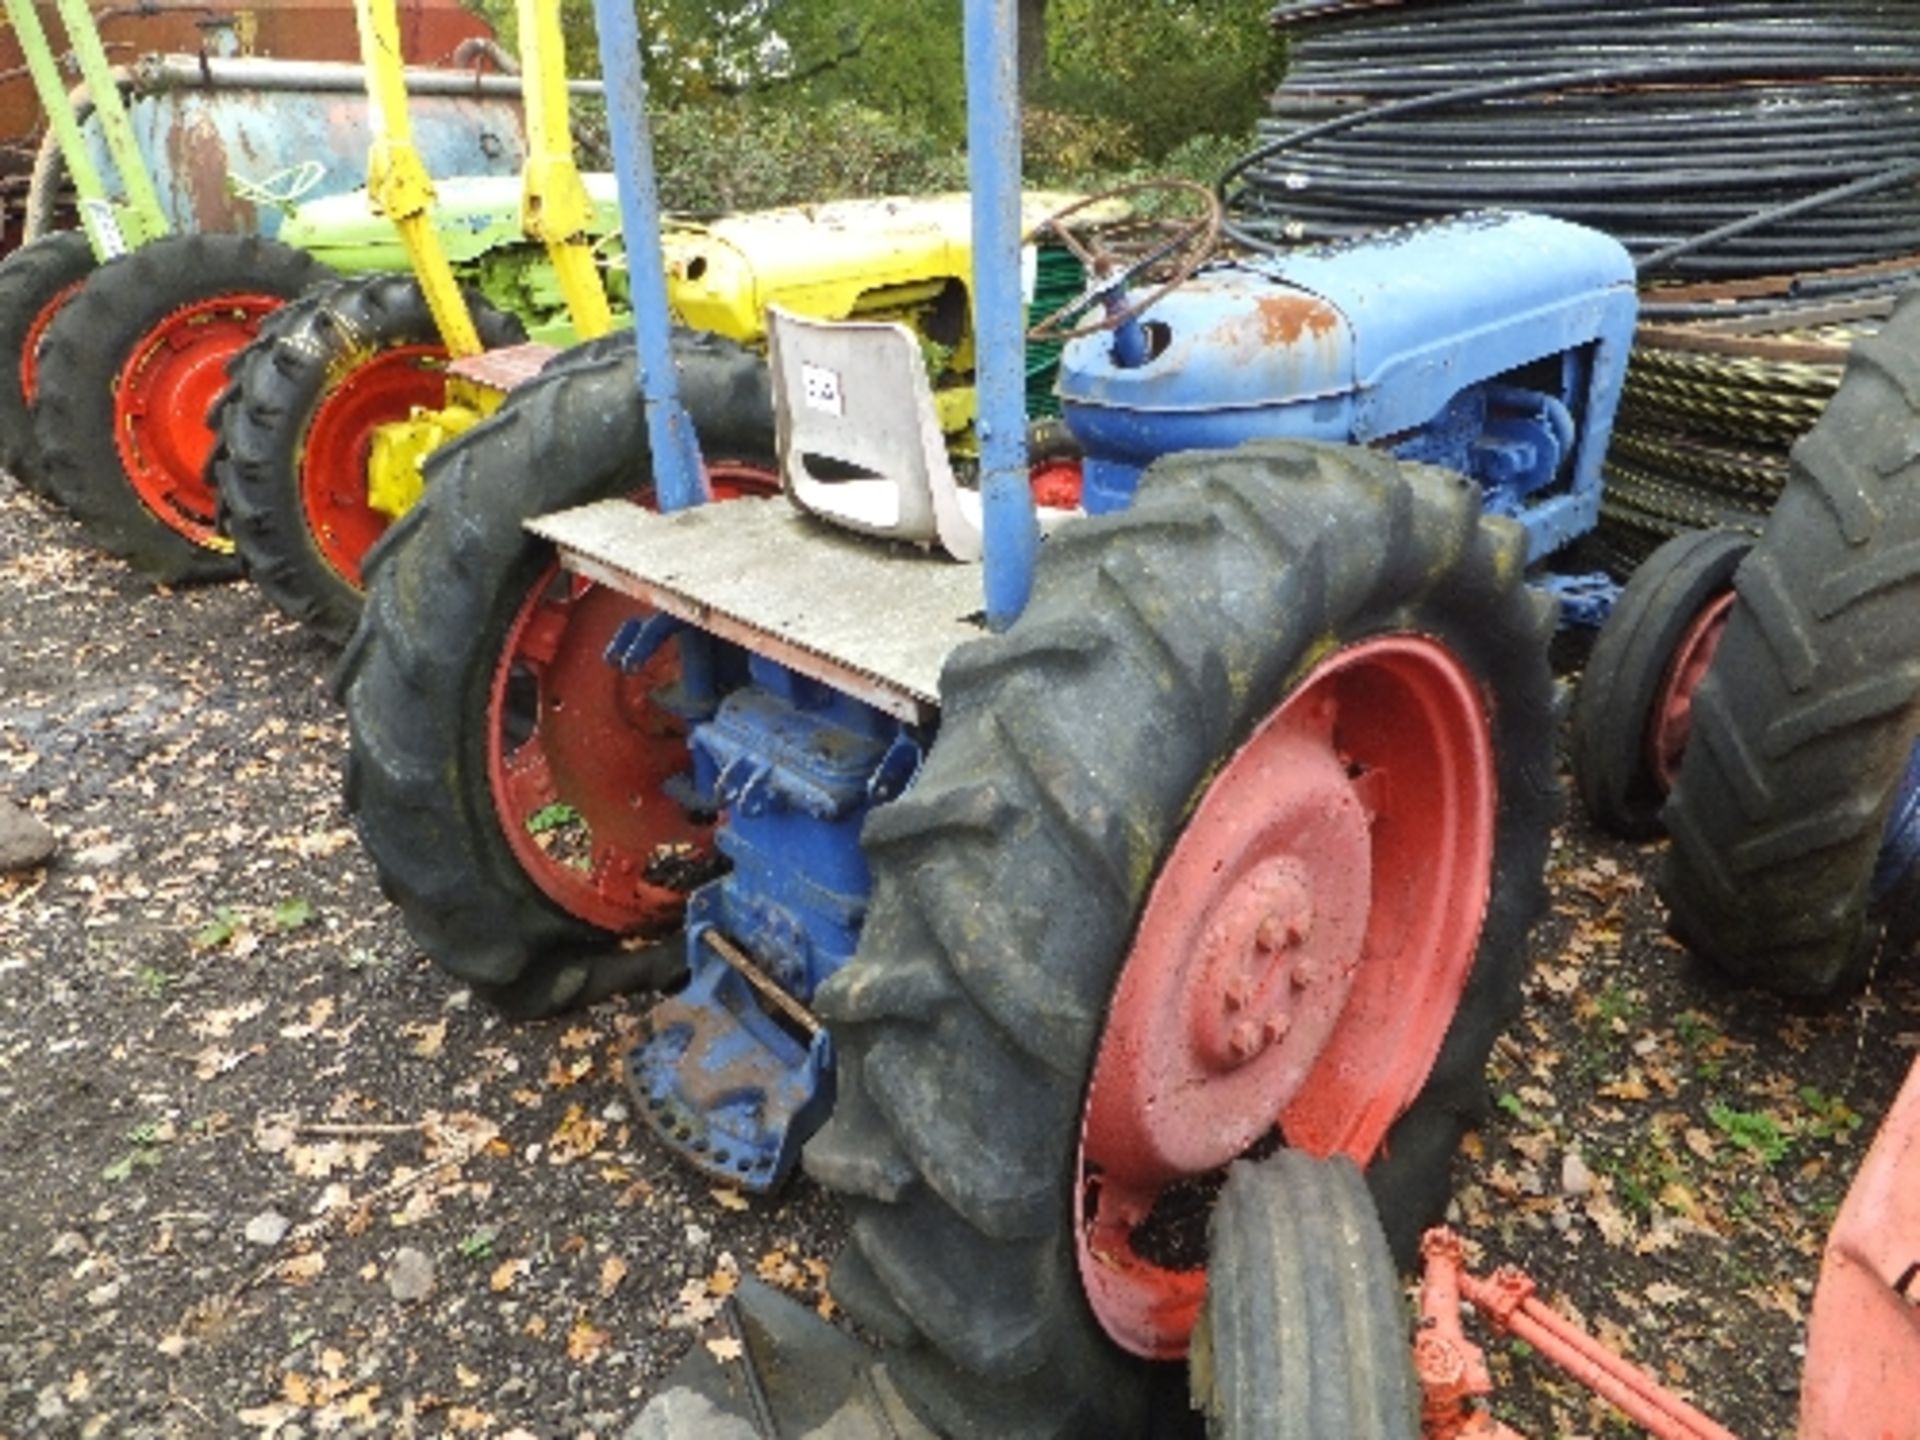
1790, 129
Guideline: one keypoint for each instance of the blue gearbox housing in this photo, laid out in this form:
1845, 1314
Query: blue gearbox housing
1508, 369
733, 1083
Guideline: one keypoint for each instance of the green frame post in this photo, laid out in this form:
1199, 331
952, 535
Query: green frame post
114, 224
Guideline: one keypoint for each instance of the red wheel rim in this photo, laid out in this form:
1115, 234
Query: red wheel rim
566, 729
160, 405
1297, 965
36, 337
1672, 720
338, 450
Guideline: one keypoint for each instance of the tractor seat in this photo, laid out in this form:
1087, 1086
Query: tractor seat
859, 439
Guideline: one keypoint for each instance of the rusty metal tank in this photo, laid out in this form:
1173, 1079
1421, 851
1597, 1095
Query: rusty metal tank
432, 31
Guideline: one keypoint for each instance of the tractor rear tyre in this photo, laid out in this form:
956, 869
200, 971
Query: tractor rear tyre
1304, 1335
505, 779
297, 436
131, 366
1238, 832
35, 281
1633, 712
1803, 727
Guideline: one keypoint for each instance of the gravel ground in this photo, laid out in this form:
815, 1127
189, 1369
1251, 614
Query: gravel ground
267, 1173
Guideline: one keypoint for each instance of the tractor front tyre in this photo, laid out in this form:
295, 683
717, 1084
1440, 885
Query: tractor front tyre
1234, 839
298, 436
35, 281
1304, 1335
131, 366
1633, 713
1805, 723
506, 780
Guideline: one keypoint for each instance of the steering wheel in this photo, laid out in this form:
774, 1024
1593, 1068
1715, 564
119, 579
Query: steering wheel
1177, 246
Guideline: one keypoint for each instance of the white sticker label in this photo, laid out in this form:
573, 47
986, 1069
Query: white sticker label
98, 217
1029, 272
822, 389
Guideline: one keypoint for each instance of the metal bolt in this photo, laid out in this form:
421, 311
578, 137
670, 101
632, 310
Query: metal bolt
1276, 1027
1280, 931
1237, 992
1246, 1040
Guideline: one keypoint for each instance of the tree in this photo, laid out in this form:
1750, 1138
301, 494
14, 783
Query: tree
1033, 42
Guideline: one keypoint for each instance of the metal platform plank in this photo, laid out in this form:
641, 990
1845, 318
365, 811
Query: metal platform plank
876, 620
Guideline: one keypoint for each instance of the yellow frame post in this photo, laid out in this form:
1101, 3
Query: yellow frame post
554, 207
397, 178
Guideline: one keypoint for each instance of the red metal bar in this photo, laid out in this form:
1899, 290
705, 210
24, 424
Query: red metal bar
1507, 1301
1452, 1369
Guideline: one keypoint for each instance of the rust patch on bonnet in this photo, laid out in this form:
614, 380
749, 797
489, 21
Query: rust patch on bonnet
198, 165
1284, 318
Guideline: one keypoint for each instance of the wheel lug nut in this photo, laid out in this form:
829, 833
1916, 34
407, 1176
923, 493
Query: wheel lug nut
1276, 1028
1245, 1041
1236, 993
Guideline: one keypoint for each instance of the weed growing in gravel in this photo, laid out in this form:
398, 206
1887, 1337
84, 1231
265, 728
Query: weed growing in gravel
146, 1139
1758, 1132
1827, 1115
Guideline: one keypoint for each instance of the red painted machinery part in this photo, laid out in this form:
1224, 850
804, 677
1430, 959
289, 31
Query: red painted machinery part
160, 403
1671, 723
337, 453
587, 746
1298, 962
1862, 1380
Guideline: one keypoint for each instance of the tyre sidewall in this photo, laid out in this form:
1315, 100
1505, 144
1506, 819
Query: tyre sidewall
1626, 675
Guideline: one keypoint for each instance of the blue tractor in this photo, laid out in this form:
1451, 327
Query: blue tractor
1035, 862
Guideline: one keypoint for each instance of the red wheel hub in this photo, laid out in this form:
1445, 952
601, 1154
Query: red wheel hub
36, 336
339, 447
578, 751
1296, 966
1671, 722
1056, 484
160, 405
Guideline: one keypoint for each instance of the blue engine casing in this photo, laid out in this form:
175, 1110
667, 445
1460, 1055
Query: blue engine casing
1508, 369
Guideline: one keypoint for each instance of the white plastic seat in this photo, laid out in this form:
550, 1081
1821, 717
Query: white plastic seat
853, 396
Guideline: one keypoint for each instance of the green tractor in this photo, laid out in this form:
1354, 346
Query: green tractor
114, 338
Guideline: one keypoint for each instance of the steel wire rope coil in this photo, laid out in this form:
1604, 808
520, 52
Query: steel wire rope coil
1770, 102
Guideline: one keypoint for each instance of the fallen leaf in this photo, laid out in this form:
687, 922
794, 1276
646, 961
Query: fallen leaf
1629, 1087
577, 1136
730, 1200
429, 1036
505, 1274
585, 1341
612, 1271
725, 1347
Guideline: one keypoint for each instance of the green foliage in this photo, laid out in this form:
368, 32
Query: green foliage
552, 817
766, 102
1827, 1115
903, 61
1755, 1131
1158, 73
750, 154
291, 915
146, 1139
219, 930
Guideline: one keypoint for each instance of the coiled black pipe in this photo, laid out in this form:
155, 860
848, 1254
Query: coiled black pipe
1659, 121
